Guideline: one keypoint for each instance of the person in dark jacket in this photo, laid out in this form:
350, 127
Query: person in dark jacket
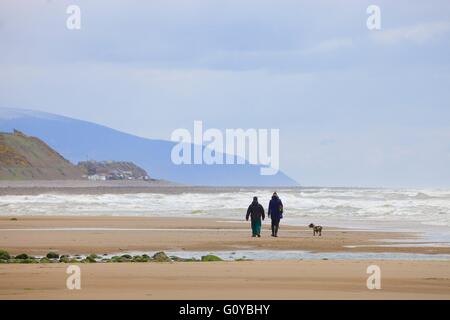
275, 213
256, 212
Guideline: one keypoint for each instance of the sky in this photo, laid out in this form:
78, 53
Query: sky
355, 107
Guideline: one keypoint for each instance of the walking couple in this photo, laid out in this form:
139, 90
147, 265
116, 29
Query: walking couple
256, 212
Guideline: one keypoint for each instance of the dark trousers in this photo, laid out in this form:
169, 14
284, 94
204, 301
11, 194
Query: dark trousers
275, 225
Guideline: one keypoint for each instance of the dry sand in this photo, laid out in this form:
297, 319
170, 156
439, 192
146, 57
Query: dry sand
229, 280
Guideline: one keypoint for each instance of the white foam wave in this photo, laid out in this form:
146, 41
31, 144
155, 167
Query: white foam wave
430, 207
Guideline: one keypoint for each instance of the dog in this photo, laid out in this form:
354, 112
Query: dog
316, 229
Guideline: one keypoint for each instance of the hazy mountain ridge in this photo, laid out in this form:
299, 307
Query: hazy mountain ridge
79, 140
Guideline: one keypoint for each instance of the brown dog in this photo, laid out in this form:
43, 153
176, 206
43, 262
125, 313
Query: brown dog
316, 229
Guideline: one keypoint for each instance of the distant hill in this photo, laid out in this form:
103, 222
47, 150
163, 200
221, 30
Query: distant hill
24, 158
113, 170
80, 140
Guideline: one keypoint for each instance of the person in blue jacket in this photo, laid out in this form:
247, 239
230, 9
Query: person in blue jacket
275, 213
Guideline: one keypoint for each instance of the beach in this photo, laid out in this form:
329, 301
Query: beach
229, 280
320, 277
99, 234
402, 231
227, 150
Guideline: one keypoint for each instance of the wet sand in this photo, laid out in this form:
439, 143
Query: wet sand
84, 235
229, 280
289, 279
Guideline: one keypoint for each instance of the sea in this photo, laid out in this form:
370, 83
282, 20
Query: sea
372, 208
423, 211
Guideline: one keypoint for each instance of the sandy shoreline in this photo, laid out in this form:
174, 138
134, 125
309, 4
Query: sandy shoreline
89, 234
37, 187
230, 280
288, 279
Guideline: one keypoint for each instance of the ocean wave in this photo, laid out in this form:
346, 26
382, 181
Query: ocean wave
422, 196
425, 206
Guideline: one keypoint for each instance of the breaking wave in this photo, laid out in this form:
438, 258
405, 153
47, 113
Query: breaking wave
429, 207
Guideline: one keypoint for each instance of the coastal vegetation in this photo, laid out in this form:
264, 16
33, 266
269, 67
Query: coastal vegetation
54, 257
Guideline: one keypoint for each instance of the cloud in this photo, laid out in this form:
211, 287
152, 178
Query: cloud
418, 34
330, 45
286, 60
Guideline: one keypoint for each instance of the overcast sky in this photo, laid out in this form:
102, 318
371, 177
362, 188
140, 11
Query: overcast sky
354, 107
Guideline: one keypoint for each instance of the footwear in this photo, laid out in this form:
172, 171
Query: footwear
258, 235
